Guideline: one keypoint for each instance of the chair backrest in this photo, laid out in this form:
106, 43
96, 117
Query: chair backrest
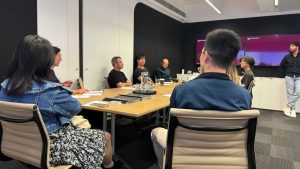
80, 83
106, 83
251, 85
211, 139
24, 136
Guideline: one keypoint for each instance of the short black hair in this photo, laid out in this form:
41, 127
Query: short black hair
223, 46
248, 59
139, 56
31, 61
114, 60
295, 43
56, 50
163, 59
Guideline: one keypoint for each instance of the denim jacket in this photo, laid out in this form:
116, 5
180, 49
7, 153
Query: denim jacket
55, 102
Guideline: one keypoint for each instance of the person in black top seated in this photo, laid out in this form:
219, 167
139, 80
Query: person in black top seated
247, 63
116, 78
57, 60
163, 72
53, 78
141, 60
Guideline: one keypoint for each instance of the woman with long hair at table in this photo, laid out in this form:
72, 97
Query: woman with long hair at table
27, 83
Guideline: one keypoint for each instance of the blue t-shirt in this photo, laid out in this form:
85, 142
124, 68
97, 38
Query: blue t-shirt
211, 91
163, 73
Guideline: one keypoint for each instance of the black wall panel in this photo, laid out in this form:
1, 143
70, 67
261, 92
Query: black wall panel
18, 18
157, 35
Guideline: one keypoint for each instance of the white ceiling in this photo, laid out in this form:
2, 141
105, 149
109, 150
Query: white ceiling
199, 10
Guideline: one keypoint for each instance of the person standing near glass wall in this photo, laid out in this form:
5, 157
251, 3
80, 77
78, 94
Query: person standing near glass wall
163, 72
290, 66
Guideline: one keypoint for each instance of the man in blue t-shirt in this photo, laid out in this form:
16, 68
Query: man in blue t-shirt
213, 89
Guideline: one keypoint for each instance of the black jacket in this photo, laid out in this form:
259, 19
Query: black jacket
290, 65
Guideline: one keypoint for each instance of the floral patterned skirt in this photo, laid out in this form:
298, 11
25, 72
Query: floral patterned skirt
80, 147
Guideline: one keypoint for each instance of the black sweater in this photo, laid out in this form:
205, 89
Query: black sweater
290, 65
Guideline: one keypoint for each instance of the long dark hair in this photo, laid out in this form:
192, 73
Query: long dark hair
31, 61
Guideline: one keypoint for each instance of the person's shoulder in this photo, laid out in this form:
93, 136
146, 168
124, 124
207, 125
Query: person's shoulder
45, 86
145, 69
287, 56
112, 72
190, 84
249, 73
122, 73
241, 90
159, 68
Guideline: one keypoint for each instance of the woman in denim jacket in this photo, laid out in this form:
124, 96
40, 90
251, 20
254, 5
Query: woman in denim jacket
29, 67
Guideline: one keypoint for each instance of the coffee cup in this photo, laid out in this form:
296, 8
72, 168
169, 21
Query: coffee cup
162, 82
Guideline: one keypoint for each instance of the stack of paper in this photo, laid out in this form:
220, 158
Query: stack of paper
97, 104
93, 93
80, 96
167, 95
127, 88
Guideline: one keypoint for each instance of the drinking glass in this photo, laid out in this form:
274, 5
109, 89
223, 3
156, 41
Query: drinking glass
144, 77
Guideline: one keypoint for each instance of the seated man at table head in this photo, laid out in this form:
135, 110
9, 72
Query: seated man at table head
163, 72
53, 77
116, 77
206, 92
141, 60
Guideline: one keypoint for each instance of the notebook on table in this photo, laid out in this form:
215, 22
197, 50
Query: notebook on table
122, 99
140, 96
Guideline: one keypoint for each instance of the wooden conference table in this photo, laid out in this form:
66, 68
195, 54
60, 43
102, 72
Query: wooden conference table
136, 109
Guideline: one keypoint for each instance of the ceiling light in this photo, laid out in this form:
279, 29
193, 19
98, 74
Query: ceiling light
251, 38
213, 6
276, 2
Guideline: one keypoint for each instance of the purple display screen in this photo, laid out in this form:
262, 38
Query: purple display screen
267, 50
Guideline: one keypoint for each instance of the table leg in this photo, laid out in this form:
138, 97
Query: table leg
157, 117
113, 135
164, 115
104, 121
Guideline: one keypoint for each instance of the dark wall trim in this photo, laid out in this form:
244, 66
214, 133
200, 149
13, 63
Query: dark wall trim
280, 24
80, 40
18, 18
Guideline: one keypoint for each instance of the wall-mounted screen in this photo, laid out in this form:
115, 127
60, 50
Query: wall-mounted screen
267, 50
